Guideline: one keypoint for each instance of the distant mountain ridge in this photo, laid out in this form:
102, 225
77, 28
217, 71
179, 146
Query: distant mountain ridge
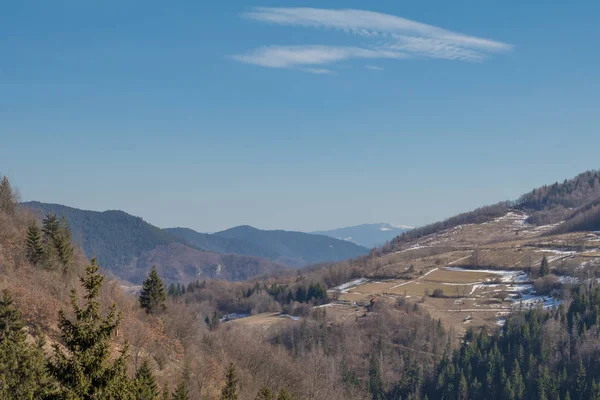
367, 235
220, 244
128, 246
288, 247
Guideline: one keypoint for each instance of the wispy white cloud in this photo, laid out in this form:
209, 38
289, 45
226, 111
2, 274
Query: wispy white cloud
391, 36
374, 67
292, 56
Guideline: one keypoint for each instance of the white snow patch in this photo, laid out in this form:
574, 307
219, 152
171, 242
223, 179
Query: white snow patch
416, 281
232, 316
506, 276
415, 247
290, 317
345, 287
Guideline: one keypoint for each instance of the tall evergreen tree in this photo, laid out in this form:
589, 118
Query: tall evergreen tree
181, 392
62, 243
375, 383
145, 383
8, 197
463, 388
581, 382
230, 390
516, 381
57, 240
153, 295
50, 227
544, 267
83, 369
35, 249
595, 391
23, 373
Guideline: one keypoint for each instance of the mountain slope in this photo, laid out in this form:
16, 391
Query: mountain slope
304, 248
367, 235
128, 246
220, 244
549, 204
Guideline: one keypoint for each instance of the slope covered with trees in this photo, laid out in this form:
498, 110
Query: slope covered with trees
221, 244
128, 246
113, 237
305, 247
539, 355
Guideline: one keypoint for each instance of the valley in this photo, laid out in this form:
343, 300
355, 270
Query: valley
505, 274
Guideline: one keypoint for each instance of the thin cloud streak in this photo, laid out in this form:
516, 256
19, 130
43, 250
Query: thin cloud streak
391, 37
368, 23
291, 56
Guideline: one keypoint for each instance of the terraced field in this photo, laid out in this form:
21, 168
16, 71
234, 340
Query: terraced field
473, 275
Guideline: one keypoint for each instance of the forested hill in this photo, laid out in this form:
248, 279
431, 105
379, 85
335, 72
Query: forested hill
128, 246
220, 244
291, 248
309, 248
114, 237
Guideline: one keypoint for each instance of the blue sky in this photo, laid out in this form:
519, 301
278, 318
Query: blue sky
295, 115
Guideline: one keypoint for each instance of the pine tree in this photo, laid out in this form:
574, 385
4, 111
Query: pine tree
35, 249
181, 392
153, 295
62, 243
463, 388
230, 390
580, 382
8, 198
516, 380
544, 267
595, 391
50, 227
284, 395
145, 383
375, 384
82, 369
265, 394
57, 240
23, 373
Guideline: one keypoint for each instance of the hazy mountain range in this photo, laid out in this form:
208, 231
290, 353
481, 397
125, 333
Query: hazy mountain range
128, 246
367, 235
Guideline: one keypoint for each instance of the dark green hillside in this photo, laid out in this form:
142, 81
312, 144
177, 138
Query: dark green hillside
114, 237
221, 244
128, 247
307, 247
